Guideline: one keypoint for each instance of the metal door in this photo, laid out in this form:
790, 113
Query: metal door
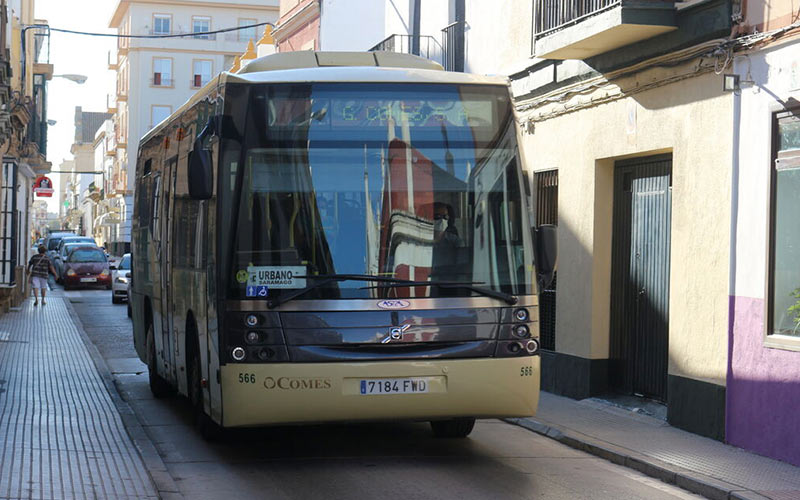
640, 276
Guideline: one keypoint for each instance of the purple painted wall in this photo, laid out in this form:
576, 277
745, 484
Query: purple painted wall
763, 389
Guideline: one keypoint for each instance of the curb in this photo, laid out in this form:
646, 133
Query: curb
691, 481
164, 484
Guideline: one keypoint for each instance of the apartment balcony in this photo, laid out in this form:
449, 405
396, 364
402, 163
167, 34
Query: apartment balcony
420, 45
122, 95
580, 29
113, 64
123, 44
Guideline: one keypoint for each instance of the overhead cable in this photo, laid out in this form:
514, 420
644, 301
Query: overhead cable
177, 35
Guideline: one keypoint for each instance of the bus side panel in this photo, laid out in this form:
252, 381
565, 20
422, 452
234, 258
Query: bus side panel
142, 247
189, 277
232, 105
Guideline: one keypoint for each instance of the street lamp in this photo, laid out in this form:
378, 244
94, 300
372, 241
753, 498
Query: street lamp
79, 79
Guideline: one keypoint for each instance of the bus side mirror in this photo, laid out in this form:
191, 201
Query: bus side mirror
546, 253
200, 173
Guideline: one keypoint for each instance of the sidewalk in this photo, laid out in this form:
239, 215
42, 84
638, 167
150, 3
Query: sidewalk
61, 431
653, 447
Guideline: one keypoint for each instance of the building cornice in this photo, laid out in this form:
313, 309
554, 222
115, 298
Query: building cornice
295, 20
123, 6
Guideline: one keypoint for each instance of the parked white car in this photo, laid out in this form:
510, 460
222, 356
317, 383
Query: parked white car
120, 275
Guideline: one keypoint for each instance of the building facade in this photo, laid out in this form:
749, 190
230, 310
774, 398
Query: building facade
763, 383
83, 186
298, 25
662, 182
24, 71
155, 76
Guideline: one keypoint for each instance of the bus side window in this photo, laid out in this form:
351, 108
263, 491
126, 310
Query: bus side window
154, 228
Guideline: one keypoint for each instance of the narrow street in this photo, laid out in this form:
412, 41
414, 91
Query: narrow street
396, 460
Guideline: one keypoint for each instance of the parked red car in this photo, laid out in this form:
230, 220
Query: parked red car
86, 266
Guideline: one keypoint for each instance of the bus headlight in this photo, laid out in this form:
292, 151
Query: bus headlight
532, 346
252, 337
251, 320
521, 315
521, 331
238, 353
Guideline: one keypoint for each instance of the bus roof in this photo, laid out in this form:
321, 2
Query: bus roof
335, 67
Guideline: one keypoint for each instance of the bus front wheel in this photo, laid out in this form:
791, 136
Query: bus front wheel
455, 428
158, 386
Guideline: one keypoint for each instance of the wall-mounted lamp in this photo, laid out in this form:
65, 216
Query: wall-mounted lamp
79, 79
730, 83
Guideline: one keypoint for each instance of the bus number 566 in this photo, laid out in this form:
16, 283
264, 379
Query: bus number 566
247, 378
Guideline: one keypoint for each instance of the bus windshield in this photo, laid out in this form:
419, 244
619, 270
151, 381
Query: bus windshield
409, 181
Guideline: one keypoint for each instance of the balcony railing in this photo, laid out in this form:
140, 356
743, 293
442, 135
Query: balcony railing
199, 35
453, 46
553, 15
161, 82
420, 45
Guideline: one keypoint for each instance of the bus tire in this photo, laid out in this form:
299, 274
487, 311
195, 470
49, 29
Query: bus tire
208, 429
455, 428
158, 386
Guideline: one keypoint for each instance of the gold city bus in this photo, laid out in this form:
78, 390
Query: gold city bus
327, 237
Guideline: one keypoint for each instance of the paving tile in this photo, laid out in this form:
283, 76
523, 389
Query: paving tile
61, 435
716, 469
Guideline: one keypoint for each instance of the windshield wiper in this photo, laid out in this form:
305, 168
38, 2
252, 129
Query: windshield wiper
325, 279
466, 285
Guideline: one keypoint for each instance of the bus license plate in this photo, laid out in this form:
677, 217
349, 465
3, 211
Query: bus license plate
88, 280
394, 386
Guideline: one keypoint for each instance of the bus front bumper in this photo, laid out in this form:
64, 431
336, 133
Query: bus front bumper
286, 393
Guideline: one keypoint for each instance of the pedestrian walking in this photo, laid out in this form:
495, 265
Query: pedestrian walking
39, 268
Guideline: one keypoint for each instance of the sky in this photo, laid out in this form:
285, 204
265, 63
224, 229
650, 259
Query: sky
75, 54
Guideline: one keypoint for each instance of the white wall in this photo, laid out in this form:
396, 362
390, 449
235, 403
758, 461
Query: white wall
498, 36
771, 69
361, 24
351, 24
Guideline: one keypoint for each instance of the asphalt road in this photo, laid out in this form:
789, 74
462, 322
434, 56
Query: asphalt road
387, 461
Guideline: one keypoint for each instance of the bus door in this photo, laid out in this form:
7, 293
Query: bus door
166, 263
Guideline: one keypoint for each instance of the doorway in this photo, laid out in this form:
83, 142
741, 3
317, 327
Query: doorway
640, 276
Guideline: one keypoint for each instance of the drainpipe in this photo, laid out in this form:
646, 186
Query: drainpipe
737, 118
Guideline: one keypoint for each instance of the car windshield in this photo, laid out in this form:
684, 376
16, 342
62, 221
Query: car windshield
87, 255
416, 182
125, 263
53, 243
78, 240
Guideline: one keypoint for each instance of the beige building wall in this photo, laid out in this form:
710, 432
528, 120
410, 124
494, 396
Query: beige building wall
766, 16
691, 120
